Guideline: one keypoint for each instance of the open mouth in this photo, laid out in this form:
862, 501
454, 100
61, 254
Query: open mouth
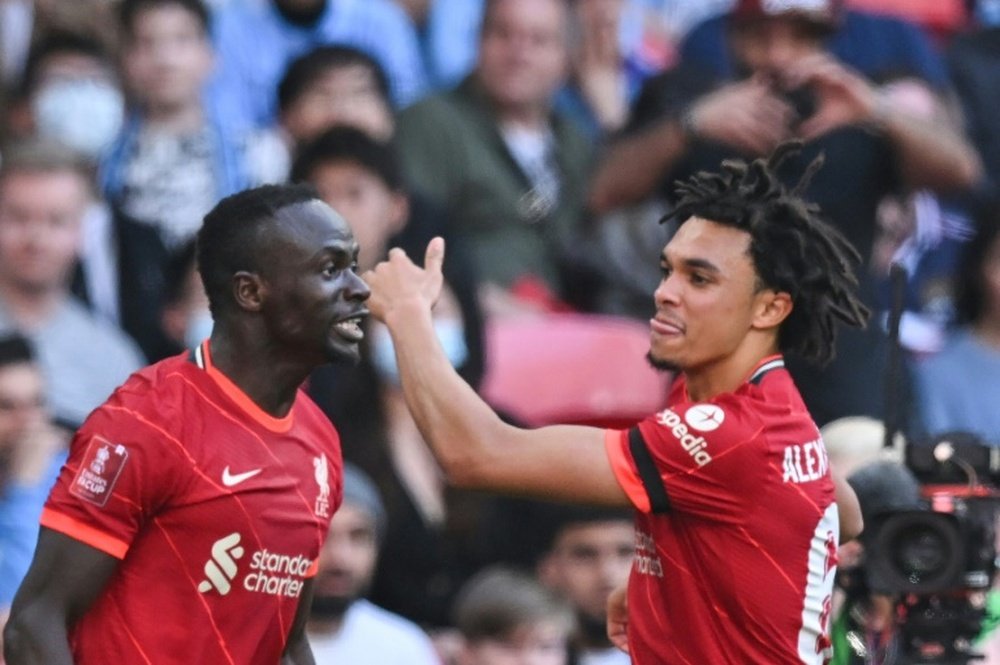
350, 329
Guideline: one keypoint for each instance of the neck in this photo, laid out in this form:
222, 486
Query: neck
30, 308
268, 378
175, 118
525, 116
724, 376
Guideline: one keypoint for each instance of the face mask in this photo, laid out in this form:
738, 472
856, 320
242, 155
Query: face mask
85, 115
199, 328
449, 333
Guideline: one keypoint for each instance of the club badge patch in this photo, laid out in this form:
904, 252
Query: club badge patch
102, 464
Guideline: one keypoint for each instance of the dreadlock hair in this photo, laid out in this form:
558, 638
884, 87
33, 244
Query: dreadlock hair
793, 250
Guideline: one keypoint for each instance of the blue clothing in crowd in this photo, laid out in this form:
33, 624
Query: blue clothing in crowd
255, 43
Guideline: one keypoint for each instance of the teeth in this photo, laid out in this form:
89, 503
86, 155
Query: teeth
351, 326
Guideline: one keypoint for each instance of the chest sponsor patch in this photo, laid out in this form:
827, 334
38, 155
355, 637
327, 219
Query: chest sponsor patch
102, 464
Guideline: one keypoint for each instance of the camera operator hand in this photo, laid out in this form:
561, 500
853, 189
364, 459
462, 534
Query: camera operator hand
747, 115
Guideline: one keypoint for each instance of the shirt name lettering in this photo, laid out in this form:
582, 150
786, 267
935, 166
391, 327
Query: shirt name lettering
805, 463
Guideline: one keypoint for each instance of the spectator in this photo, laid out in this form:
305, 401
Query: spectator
876, 45
509, 171
185, 319
176, 156
684, 123
344, 627
71, 94
256, 41
589, 557
430, 547
32, 450
505, 616
974, 64
331, 86
958, 386
44, 191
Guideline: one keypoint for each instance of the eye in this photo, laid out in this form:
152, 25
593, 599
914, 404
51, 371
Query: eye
329, 270
665, 270
698, 279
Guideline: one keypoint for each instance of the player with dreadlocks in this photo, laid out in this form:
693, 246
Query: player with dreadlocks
738, 517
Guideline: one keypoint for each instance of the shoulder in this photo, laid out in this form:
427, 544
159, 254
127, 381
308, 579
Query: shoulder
433, 108
388, 625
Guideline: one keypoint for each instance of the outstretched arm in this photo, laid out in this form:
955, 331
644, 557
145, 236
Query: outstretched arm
472, 444
64, 579
848, 509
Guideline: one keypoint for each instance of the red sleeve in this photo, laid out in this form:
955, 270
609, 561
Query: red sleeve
705, 459
118, 474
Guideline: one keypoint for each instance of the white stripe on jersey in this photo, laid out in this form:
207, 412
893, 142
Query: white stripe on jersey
814, 642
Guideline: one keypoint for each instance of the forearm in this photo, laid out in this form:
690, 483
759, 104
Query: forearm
635, 165
932, 155
461, 429
34, 637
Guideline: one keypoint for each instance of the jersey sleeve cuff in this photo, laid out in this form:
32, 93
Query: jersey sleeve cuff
615, 445
85, 533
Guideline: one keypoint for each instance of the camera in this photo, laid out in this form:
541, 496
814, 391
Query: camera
938, 558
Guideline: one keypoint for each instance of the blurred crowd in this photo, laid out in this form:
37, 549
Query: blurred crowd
541, 138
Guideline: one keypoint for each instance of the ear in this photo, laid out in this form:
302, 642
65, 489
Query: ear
399, 211
546, 571
771, 308
249, 291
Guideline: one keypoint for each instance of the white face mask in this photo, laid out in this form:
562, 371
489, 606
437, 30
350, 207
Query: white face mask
85, 115
449, 332
199, 328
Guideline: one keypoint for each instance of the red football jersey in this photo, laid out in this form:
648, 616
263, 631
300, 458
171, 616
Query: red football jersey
737, 529
216, 509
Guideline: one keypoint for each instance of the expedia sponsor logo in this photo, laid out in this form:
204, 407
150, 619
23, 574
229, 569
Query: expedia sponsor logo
269, 572
693, 444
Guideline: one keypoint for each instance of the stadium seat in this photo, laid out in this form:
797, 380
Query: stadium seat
572, 368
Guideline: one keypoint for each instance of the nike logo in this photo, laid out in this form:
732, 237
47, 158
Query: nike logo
230, 479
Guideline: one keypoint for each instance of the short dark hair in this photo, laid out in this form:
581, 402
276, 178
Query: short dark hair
128, 10
59, 42
970, 287
40, 155
15, 350
303, 72
349, 144
232, 236
497, 601
792, 248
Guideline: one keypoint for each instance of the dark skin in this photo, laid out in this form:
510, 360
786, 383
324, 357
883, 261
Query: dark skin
280, 323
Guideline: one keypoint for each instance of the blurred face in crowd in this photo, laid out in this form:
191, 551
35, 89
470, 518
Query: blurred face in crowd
587, 562
167, 57
346, 562
991, 283
522, 57
374, 212
342, 96
22, 406
40, 218
539, 643
771, 45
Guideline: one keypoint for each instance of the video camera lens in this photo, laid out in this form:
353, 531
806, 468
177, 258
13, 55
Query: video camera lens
917, 552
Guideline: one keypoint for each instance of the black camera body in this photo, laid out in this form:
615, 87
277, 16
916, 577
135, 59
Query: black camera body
939, 560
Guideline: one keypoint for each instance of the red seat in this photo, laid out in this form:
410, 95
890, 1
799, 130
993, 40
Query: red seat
572, 368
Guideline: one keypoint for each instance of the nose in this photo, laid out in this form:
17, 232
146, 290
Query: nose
357, 289
667, 292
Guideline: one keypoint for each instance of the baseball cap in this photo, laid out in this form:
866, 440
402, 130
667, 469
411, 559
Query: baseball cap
824, 13
360, 491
